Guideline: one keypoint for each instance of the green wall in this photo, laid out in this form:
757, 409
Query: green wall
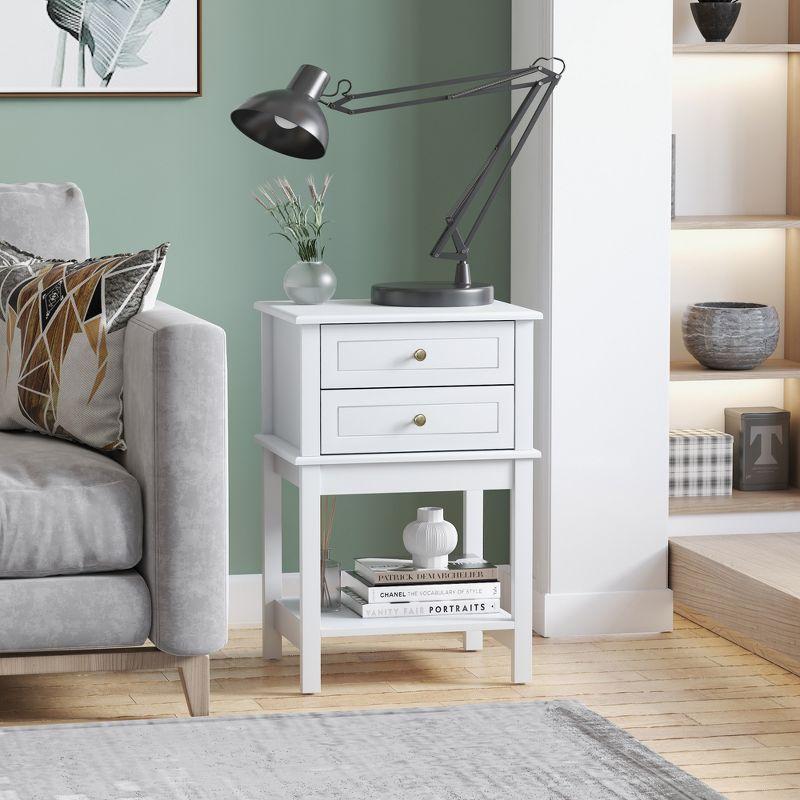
177, 170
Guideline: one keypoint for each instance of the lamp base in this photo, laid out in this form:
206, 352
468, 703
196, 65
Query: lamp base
426, 294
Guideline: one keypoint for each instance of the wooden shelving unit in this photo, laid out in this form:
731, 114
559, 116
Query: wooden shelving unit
773, 368
723, 222
788, 367
738, 503
723, 48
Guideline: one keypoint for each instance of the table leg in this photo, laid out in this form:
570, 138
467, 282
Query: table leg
272, 582
473, 545
310, 615
522, 571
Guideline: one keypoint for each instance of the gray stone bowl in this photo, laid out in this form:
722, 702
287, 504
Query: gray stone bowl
731, 335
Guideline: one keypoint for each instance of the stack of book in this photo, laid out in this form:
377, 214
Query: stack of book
394, 588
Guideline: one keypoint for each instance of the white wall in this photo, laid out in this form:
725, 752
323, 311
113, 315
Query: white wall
590, 248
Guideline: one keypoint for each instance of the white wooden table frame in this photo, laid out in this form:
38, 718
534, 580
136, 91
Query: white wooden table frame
290, 437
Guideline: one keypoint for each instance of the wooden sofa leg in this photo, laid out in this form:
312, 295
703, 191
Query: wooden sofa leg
196, 681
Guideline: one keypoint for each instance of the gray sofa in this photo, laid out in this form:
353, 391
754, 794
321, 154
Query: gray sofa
139, 542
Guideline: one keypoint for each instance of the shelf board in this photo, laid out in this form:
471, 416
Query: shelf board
734, 222
729, 47
771, 369
347, 623
737, 503
290, 454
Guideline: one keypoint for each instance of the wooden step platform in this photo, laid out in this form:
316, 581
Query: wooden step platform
746, 588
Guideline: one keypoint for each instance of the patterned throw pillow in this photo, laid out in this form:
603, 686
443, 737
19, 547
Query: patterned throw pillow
62, 330
11, 256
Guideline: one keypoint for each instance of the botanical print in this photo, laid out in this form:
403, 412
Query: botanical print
99, 46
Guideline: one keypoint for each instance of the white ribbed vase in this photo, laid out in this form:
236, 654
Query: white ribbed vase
430, 539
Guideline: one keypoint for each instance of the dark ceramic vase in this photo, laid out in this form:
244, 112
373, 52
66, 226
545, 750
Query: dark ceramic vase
716, 20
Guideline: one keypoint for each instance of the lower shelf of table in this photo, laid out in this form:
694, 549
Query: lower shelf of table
346, 623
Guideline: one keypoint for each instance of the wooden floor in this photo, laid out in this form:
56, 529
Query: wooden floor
718, 711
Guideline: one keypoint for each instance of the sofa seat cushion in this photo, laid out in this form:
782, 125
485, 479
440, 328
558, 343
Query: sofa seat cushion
73, 612
65, 509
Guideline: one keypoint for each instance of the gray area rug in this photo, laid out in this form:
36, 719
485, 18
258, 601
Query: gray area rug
540, 751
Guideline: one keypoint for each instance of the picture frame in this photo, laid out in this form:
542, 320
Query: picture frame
80, 43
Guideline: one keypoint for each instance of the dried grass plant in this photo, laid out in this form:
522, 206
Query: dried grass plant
300, 223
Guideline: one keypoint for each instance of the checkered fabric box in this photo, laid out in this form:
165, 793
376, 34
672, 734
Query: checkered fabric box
700, 463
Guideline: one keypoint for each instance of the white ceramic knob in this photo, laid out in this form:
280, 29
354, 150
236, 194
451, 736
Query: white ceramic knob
430, 539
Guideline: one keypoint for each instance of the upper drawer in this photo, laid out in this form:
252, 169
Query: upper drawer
417, 354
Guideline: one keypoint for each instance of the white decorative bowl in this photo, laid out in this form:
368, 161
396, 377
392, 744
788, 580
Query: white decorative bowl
430, 539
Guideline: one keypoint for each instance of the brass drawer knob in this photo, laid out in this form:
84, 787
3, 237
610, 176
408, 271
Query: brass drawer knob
420, 354
420, 420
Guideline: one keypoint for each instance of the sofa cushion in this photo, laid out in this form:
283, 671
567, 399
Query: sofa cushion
45, 218
65, 509
75, 612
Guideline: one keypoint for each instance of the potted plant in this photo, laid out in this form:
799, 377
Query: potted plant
310, 280
716, 18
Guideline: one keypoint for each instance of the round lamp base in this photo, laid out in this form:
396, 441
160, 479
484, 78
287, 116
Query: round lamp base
425, 294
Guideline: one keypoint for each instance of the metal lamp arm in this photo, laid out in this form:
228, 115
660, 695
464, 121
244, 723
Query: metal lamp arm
487, 82
541, 88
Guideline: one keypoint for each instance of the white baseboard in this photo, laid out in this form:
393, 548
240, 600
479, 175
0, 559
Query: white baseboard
725, 524
598, 613
553, 614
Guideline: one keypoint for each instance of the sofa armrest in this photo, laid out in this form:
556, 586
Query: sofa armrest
175, 427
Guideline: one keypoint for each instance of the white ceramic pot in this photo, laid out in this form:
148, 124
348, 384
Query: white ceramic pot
430, 539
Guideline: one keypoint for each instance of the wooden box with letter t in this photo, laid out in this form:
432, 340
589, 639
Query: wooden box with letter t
760, 447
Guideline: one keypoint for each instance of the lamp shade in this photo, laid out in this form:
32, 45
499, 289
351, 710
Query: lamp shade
290, 120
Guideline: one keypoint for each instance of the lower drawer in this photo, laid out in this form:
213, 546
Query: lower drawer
413, 420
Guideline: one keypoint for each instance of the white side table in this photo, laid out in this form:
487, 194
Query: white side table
364, 399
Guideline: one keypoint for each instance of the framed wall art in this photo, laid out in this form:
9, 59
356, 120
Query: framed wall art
100, 48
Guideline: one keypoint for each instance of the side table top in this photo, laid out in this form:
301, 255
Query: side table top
360, 311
